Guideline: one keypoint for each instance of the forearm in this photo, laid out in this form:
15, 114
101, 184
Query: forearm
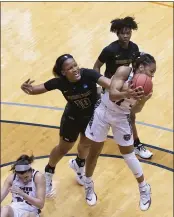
117, 95
138, 107
97, 69
34, 201
3, 195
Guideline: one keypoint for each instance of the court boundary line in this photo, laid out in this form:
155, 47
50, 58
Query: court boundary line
101, 155
57, 127
162, 4
62, 109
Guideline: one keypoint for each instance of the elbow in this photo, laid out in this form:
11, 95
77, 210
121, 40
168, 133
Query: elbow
41, 205
112, 96
96, 68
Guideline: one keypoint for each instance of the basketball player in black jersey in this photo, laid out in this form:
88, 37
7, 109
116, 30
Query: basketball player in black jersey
118, 53
78, 86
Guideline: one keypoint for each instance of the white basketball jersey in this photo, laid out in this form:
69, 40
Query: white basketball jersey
123, 105
29, 189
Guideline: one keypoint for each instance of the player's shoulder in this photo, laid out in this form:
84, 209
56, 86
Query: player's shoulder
85, 72
112, 46
38, 176
123, 71
10, 178
133, 45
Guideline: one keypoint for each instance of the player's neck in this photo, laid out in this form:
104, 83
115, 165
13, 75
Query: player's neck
123, 45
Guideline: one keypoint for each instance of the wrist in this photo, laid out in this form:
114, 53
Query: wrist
23, 194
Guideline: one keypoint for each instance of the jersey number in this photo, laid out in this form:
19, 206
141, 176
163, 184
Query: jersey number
83, 103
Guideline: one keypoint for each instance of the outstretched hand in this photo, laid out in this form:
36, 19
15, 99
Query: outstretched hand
146, 97
27, 87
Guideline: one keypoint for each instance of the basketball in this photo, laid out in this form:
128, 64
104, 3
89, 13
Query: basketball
144, 81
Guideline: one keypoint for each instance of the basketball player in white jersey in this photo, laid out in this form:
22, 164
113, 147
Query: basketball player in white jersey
27, 187
114, 111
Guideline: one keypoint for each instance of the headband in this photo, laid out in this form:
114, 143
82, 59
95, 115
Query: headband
22, 168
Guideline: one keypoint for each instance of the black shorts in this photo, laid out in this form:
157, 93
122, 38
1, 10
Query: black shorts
71, 126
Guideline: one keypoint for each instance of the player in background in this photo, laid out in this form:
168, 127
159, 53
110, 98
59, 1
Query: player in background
118, 53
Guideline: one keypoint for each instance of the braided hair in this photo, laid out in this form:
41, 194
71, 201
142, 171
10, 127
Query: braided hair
118, 24
58, 65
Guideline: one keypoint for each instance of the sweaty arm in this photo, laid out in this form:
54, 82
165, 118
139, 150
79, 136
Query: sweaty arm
40, 183
117, 83
6, 186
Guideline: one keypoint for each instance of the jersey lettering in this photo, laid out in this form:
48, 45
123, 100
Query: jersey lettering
83, 103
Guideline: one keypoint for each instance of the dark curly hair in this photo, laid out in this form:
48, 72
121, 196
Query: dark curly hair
118, 24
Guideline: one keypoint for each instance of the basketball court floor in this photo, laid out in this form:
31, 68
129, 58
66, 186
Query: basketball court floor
33, 35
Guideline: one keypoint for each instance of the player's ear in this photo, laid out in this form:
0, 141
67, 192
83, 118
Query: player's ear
63, 73
141, 67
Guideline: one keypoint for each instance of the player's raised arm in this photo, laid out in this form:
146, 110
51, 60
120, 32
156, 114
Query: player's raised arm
117, 83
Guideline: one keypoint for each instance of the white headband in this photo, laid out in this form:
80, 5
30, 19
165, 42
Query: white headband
22, 168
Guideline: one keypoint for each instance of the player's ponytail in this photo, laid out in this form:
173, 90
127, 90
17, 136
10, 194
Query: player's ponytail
144, 59
57, 69
23, 161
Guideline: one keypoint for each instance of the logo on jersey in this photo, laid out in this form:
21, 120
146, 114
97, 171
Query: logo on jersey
127, 137
85, 86
117, 56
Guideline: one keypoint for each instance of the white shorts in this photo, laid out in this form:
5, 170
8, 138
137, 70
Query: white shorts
19, 209
104, 118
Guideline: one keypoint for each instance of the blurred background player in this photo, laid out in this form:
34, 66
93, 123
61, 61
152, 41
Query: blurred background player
118, 53
27, 187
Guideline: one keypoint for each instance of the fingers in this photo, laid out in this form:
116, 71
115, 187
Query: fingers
27, 86
131, 86
27, 90
30, 82
27, 81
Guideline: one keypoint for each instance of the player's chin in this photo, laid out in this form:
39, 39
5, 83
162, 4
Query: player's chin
77, 77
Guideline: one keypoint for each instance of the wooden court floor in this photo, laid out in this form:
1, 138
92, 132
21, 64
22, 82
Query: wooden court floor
33, 35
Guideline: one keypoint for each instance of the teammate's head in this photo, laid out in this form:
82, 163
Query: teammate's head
66, 66
123, 28
22, 167
146, 64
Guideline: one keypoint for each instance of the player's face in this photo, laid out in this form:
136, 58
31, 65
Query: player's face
148, 69
124, 35
25, 177
71, 70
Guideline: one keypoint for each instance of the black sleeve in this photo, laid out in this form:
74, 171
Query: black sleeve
53, 84
92, 75
136, 48
104, 55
